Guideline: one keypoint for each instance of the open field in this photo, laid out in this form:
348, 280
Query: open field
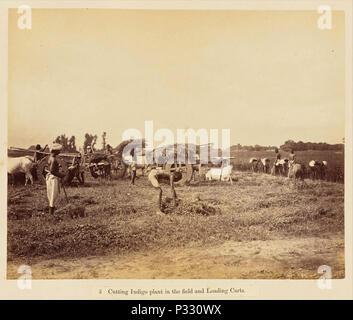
335, 159
261, 227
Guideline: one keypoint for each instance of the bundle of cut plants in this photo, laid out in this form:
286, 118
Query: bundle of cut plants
71, 210
194, 207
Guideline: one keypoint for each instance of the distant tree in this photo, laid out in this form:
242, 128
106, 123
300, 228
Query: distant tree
63, 140
90, 140
104, 136
72, 144
302, 146
68, 145
256, 147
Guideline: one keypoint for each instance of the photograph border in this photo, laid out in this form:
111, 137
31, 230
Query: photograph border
253, 289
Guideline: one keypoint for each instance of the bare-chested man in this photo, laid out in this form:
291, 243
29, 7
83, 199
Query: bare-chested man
276, 163
292, 158
158, 176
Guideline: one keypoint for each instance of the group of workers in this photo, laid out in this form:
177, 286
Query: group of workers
54, 177
156, 176
292, 158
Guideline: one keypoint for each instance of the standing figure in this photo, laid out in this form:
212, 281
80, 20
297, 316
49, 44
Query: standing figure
53, 176
158, 176
276, 164
292, 158
76, 170
38, 154
314, 166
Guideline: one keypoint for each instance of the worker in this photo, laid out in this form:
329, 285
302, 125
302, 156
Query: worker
133, 166
158, 176
292, 158
39, 153
76, 170
276, 162
53, 177
292, 155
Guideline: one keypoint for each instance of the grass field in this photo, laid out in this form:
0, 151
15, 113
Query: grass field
260, 227
335, 159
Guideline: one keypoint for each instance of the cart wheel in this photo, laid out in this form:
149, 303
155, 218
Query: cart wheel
93, 171
42, 166
120, 169
187, 174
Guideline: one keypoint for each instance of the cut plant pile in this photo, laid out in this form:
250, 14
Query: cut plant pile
196, 207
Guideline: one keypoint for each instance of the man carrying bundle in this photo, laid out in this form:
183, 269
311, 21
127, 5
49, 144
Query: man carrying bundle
53, 176
76, 170
276, 163
292, 158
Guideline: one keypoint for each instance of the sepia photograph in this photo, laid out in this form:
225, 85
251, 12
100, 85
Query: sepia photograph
176, 144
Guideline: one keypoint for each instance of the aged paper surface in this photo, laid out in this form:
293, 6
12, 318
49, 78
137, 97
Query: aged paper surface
260, 208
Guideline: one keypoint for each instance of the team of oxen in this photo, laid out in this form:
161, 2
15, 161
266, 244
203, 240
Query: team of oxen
99, 167
284, 167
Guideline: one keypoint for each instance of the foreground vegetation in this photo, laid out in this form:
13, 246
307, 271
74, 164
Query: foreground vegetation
120, 219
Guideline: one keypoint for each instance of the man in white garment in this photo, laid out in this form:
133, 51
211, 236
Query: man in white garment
53, 177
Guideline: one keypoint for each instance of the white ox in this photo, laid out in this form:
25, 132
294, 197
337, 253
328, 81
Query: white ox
265, 165
222, 174
20, 164
318, 169
284, 166
254, 163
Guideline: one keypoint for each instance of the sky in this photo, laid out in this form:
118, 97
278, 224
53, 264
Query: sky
268, 76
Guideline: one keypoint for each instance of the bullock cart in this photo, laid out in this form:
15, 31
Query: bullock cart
188, 166
41, 160
101, 164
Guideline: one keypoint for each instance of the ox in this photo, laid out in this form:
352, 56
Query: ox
222, 174
104, 169
100, 166
265, 165
277, 167
296, 171
284, 166
254, 163
20, 165
318, 169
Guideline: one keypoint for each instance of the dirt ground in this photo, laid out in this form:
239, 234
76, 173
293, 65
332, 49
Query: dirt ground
272, 259
262, 227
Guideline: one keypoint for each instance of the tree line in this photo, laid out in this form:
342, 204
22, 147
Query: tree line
302, 146
69, 144
256, 147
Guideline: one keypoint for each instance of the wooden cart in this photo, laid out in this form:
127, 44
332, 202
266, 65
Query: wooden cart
64, 160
